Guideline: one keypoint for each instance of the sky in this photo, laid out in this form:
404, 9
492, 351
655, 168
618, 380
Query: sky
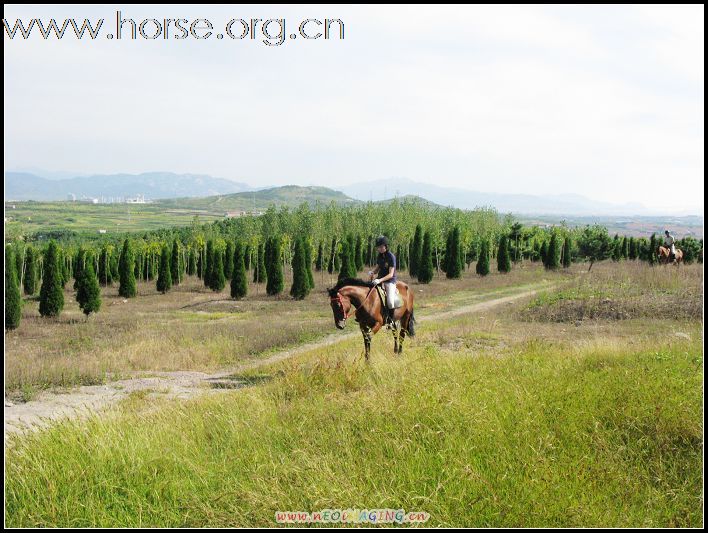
600, 101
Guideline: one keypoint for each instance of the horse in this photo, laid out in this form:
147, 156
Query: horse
362, 295
664, 255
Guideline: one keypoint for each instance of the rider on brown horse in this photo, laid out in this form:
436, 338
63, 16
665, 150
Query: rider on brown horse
386, 271
670, 243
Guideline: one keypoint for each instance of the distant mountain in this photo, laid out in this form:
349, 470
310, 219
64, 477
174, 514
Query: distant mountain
290, 195
48, 174
504, 203
153, 185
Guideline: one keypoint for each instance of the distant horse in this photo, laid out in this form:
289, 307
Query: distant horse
664, 255
362, 296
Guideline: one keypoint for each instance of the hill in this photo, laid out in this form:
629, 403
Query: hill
563, 204
257, 200
153, 185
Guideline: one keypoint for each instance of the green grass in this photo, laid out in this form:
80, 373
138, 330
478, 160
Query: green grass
540, 431
30, 217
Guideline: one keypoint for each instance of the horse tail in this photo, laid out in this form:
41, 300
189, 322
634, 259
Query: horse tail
411, 325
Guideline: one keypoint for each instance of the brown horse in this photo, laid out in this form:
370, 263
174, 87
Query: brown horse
664, 255
363, 297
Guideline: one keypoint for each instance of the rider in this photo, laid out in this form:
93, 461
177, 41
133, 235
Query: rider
386, 271
670, 243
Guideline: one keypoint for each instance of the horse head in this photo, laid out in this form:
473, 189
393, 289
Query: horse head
340, 307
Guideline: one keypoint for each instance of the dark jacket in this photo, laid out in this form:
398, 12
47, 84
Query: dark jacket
386, 261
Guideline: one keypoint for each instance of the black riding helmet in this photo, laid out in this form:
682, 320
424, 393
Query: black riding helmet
381, 240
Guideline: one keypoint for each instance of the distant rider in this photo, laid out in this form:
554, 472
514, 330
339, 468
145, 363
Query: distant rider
670, 243
386, 271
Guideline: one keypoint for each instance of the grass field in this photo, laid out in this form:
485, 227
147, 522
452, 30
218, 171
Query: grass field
193, 328
30, 217
523, 418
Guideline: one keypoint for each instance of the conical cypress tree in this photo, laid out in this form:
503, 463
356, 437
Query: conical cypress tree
260, 272
88, 293
13, 300
137, 265
348, 269
51, 295
537, 251
274, 285
104, 267
416, 251
544, 253
175, 270
447, 256
29, 283
401, 263
239, 284
19, 263
625, 248
218, 280
553, 258
308, 263
503, 255
79, 262
567, 251
454, 267
300, 286
247, 257
268, 256
653, 245
113, 262
125, 271
319, 263
482, 267
200, 263
425, 260
358, 254
209, 264
632, 248
164, 276
229, 261
192, 262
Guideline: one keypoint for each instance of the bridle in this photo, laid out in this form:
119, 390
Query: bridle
340, 303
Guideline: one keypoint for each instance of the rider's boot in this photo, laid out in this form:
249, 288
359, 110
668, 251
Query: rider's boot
389, 317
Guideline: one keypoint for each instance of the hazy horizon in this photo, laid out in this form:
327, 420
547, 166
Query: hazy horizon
605, 102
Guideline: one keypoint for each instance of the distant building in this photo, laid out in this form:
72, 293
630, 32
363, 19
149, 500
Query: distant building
71, 197
138, 199
236, 214
102, 231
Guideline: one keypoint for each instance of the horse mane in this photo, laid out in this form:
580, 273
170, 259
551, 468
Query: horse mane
349, 281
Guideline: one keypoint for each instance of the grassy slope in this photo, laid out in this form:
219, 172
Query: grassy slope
115, 218
486, 420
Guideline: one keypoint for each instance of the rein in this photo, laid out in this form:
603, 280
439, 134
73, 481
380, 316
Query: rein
338, 299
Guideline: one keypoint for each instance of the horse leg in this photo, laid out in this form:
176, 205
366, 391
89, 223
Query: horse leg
366, 332
401, 338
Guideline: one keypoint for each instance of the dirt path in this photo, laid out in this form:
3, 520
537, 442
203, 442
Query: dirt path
50, 406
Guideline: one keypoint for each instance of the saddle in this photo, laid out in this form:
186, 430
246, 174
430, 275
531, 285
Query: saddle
397, 300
